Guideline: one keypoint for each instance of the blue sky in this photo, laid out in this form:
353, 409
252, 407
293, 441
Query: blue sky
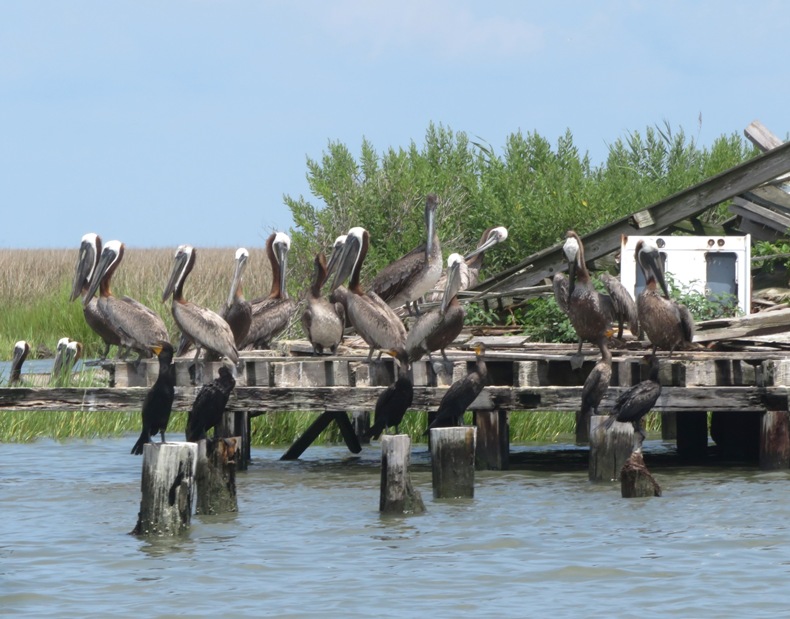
167, 122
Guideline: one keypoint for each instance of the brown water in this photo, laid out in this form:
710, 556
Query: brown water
309, 542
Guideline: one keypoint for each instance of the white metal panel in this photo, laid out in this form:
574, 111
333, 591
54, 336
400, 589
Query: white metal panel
686, 262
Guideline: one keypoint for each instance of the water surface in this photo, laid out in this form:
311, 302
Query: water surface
308, 541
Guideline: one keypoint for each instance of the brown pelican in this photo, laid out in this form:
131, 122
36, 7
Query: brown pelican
205, 328
595, 386
85, 271
460, 395
237, 311
209, 405
474, 262
668, 324
396, 399
21, 351
270, 315
589, 311
139, 327
67, 354
322, 321
374, 320
410, 277
158, 401
637, 401
437, 328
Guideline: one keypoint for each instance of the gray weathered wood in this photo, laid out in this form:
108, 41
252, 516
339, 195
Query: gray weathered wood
453, 462
763, 323
397, 494
167, 488
762, 137
775, 441
259, 400
610, 449
684, 204
216, 476
493, 440
636, 480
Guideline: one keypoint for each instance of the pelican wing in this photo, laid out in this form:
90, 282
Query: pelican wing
206, 328
623, 303
560, 283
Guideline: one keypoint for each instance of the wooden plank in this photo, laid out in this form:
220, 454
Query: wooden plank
762, 323
271, 399
684, 204
760, 214
759, 135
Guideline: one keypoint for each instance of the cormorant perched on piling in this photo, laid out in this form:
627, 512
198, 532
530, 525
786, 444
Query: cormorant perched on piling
209, 405
638, 401
461, 394
393, 403
668, 324
159, 400
21, 351
596, 384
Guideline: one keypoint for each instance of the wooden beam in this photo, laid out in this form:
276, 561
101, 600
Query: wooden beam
762, 323
332, 399
684, 204
759, 135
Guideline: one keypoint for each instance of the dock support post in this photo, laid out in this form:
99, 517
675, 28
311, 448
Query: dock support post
582, 428
609, 449
216, 476
453, 462
636, 480
237, 424
361, 422
493, 440
397, 495
775, 441
692, 440
167, 488
318, 426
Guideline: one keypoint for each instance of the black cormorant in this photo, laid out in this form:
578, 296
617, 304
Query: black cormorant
209, 405
461, 394
159, 400
396, 399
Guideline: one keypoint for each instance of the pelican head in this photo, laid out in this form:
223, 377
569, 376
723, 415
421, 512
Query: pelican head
88, 257
492, 236
648, 256
455, 263
182, 264
280, 246
242, 256
337, 250
350, 255
111, 255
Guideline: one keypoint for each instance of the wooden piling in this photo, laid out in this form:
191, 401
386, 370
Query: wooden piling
582, 428
493, 440
216, 476
610, 449
167, 488
360, 420
397, 495
636, 480
237, 424
775, 441
453, 461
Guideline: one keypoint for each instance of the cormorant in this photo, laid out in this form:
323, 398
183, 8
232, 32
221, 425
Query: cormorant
596, 384
637, 401
396, 399
159, 400
461, 394
209, 405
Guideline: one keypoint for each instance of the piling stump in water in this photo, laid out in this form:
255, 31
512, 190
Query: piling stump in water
397, 496
493, 440
610, 449
636, 480
167, 488
775, 440
453, 462
216, 476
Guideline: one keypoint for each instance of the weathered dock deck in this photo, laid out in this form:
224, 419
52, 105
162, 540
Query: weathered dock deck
745, 391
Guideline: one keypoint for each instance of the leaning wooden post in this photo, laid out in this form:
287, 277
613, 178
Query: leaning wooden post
397, 496
167, 488
610, 449
775, 441
216, 476
636, 480
493, 440
453, 461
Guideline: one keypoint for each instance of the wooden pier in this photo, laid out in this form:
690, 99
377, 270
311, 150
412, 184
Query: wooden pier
745, 392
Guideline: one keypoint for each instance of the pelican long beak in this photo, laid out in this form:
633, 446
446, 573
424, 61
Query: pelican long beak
179, 263
281, 253
346, 261
452, 286
241, 264
107, 257
650, 261
83, 271
493, 239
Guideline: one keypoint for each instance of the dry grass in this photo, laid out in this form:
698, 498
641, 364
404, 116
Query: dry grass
35, 286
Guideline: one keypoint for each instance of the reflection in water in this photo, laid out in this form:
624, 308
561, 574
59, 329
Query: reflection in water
308, 541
